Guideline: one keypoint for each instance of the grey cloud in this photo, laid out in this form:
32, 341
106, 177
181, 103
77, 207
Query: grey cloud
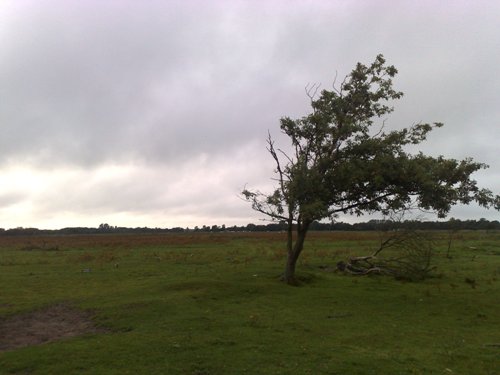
11, 198
95, 86
89, 84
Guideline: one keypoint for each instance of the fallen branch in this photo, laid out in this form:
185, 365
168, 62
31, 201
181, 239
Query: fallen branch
412, 263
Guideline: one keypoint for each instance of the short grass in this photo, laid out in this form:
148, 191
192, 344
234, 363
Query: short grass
213, 304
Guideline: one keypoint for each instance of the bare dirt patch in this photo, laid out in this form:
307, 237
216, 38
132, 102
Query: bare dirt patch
50, 324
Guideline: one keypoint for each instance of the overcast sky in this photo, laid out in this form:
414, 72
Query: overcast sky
155, 113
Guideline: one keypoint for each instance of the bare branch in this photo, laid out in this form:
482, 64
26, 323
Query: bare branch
285, 155
334, 84
272, 151
313, 89
259, 203
380, 130
271, 214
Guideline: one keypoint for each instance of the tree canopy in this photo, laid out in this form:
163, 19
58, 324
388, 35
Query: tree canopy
343, 161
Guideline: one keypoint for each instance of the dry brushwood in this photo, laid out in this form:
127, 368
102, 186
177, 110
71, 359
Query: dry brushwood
413, 260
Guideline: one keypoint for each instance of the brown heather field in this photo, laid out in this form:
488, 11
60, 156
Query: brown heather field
131, 241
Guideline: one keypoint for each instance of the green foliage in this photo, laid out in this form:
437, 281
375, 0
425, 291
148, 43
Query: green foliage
341, 165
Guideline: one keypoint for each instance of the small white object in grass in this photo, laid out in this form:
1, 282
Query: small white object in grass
87, 270
255, 275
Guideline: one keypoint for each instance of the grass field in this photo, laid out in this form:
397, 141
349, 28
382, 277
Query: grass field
200, 304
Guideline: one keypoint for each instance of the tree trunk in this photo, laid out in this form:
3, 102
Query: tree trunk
293, 253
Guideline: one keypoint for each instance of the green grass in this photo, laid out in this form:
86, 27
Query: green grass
213, 304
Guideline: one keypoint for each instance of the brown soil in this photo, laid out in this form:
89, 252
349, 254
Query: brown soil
46, 325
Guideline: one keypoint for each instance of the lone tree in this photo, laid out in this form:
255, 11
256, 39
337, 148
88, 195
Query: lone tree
339, 164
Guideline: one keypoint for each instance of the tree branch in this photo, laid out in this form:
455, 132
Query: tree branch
272, 151
359, 204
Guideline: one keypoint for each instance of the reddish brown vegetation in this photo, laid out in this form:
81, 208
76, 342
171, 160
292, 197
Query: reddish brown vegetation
128, 241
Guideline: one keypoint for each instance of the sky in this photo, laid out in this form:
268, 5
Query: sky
156, 113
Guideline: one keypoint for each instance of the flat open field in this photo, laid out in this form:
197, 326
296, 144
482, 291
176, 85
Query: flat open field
212, 304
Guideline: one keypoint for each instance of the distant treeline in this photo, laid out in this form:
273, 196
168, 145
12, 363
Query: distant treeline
372, 225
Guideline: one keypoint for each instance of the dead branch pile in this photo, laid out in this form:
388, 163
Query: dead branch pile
412, 261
